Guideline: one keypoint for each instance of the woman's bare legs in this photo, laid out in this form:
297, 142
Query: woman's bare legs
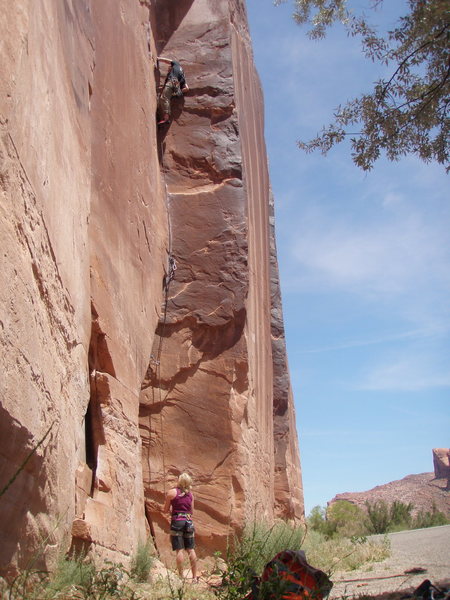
180, 559
193, 561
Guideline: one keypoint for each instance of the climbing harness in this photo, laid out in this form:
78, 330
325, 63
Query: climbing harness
182, 515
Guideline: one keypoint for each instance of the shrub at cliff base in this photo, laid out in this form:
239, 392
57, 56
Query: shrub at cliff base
143, 561
77, 578
247, 555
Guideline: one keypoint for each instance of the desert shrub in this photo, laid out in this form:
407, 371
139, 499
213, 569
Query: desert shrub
316, 518
346, 519
397, 516
73, 578
70, 573
248, 554
400, 516
261, 542
283, 535
317, 521
239, 574
342, 518
343, 554
431, 518
171, 588
378, 517
26, 584
142, 561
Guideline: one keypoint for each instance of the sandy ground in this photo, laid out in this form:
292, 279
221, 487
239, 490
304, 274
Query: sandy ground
424, 549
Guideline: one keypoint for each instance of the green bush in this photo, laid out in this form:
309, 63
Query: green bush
384, 518
73, 578
260, 542
343, 554
431, 518
400, 516
317, 521
70, 573
378, 517
341, 519
248, 554
142, 561
316, 518
346, 519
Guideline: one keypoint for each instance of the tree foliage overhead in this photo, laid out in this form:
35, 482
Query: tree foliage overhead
406, 113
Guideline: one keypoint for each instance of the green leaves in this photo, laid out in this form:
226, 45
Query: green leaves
407, 113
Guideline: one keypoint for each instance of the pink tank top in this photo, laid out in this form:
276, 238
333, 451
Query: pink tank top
182, 503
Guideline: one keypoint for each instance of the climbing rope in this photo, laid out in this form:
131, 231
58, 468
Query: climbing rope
170, 275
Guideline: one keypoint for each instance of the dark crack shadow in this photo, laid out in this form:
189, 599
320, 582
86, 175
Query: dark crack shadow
169, 14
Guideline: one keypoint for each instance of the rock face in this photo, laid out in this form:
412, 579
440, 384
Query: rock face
423, 491
120, 371
217, 400
441, 462
83, 221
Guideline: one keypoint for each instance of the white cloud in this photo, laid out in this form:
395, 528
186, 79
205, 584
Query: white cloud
392, 198
395, 337
400, 256
408, 373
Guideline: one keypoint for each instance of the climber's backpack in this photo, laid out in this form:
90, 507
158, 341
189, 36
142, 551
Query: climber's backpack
288, 576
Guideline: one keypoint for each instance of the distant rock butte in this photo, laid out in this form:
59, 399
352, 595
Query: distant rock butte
132, 377
441, 462
423, 490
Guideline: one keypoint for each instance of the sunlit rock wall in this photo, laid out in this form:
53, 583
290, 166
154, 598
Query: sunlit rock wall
217, 399
83, 229
119, 372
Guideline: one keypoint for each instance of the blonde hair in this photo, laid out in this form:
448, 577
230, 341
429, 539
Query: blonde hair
185, 482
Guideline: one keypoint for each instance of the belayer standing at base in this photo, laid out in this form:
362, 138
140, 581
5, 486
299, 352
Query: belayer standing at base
174, 86
180, 505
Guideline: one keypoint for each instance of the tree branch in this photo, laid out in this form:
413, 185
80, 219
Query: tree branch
405, 60
423, 96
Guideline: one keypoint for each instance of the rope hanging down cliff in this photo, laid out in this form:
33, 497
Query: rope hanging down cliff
168, 278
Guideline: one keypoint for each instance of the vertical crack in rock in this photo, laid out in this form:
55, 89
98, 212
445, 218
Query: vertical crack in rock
87, 482
99, 355
217, 380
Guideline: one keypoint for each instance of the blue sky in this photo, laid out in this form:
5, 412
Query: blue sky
365, 271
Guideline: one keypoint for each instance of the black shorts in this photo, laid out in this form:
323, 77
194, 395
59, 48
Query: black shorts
182, 534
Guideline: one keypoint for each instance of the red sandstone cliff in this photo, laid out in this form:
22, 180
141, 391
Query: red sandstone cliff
95, 205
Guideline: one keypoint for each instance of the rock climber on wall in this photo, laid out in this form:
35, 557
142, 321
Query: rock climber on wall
174, 85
